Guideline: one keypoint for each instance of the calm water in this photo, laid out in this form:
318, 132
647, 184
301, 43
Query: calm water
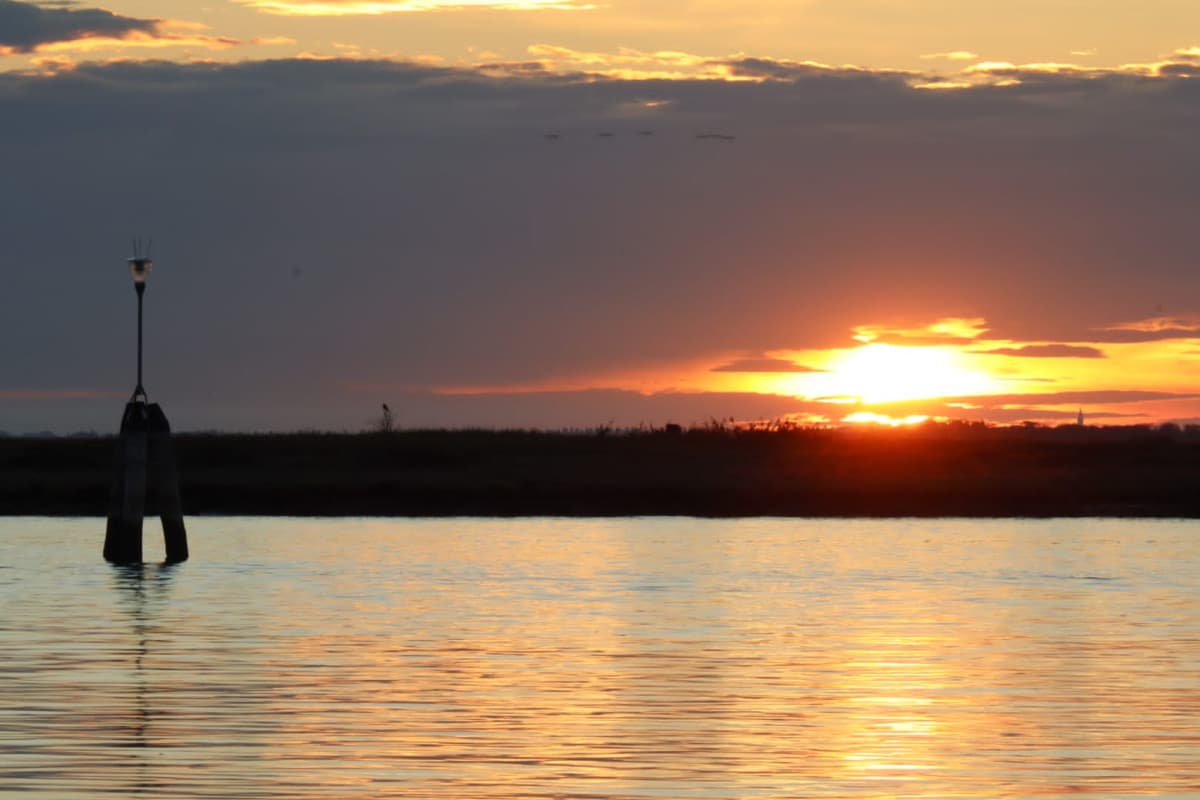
628, 658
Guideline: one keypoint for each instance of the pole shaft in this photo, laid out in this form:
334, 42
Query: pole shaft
140, 291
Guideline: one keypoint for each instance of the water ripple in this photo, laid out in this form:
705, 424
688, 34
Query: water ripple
628, 659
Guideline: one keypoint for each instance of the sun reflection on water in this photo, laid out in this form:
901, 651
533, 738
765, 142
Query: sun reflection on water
610, 658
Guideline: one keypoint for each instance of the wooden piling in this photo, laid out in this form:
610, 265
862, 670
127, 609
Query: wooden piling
164, 484
127, 499
144, 474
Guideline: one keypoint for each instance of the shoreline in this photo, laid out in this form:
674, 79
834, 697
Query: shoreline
931, 472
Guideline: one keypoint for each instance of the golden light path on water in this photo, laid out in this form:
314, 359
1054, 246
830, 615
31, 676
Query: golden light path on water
623, 658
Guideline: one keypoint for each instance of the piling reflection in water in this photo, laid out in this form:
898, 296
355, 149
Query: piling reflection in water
129, 721
615, 659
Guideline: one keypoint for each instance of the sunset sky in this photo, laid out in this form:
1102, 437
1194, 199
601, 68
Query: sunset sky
563, 213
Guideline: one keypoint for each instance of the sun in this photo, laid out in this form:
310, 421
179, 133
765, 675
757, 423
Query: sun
886, 373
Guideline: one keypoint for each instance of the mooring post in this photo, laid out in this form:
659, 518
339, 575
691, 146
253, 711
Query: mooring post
145, 463
164, 484
127, 500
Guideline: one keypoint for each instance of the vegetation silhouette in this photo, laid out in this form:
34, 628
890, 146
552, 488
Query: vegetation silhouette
385, 422
718, 468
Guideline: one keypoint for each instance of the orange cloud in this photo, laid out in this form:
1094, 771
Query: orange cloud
1148, 330
1158, 324
631, 64
90, 44
943, 331
953, 55
1178, 63
626, 63
272, 41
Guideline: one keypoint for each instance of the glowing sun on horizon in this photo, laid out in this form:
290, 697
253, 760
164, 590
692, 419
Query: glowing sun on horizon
886, 373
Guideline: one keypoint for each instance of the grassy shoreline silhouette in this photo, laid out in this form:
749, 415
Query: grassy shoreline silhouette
927, 470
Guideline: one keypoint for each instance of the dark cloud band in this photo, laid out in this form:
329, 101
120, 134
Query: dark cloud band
323, 224
26, 26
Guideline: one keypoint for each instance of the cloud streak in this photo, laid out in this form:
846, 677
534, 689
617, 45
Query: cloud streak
56, 394
779, 365
1044, 351
948, 331
1153, 329
347, 8
952, 55
998, 407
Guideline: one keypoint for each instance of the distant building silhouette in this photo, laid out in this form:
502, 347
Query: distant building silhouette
1079, 418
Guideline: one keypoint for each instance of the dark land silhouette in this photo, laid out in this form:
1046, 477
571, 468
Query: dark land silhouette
929, 470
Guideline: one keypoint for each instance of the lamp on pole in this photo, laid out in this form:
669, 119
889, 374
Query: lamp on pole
139, 268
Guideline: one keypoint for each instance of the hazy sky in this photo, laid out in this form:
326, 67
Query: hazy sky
564, 213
